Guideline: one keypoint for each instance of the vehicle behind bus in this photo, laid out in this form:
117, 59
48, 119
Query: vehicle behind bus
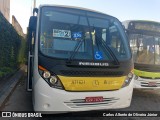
79, 60
144, 38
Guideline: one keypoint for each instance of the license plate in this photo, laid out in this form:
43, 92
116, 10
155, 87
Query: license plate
94, 99
152, 84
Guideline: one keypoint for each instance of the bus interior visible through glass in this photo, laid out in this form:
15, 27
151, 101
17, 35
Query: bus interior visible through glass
145, 48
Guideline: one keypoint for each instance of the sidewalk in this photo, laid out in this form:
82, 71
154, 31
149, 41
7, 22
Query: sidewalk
7, 86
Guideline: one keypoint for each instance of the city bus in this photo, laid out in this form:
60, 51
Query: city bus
144, 38
79, 60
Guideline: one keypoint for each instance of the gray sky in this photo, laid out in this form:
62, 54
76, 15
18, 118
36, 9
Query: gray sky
122, 9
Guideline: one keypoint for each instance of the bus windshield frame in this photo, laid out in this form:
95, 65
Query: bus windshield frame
144, 42
73, 26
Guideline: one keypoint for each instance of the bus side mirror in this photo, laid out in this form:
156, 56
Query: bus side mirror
123, 26
32, 23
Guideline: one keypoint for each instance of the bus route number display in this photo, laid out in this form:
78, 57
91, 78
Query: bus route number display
148, 27
61, 33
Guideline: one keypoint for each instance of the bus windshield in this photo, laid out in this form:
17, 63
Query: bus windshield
145, 48
65, 31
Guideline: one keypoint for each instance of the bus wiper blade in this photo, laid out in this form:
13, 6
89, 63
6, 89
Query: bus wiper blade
104, 45
107, 48
111, 52
76, 48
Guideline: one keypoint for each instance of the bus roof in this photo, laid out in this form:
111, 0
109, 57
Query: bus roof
126, 22
141, 21
74, 7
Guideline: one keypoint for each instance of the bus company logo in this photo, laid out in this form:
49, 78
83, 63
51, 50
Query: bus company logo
6, 114
20, 115
93, 64
95, 83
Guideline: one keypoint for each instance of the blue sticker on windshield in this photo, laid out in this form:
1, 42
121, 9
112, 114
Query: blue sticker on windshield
98, 55
77, 34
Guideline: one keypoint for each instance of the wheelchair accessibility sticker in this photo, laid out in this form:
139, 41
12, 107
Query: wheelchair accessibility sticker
98, 55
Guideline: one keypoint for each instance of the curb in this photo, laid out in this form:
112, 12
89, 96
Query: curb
9, 88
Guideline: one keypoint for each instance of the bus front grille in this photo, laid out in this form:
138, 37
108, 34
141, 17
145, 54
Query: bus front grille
80, 103
91, 73
147, 84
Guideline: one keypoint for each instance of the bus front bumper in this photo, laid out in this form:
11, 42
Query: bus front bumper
51, 100
146, 83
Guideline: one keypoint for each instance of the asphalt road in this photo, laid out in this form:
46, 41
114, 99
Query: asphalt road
143, 100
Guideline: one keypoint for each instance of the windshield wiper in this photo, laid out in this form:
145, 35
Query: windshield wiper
104, 45
76, 48
108, 49
111, 52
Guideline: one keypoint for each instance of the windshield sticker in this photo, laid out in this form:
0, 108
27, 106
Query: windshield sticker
77, 34
98, 55
61, 33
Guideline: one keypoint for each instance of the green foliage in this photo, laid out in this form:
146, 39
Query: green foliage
5, 71
2, 74
12, 47
22, 52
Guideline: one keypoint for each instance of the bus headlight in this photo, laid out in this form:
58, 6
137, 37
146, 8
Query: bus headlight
136, 77
46, 74
50, 78
130, 75
53, 80
128, 80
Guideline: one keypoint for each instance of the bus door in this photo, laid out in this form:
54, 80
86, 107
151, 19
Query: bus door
31, 41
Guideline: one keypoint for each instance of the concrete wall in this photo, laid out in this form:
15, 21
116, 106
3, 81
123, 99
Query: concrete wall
5, 8
17, 26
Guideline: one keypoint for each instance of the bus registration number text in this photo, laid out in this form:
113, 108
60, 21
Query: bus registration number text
94, 99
